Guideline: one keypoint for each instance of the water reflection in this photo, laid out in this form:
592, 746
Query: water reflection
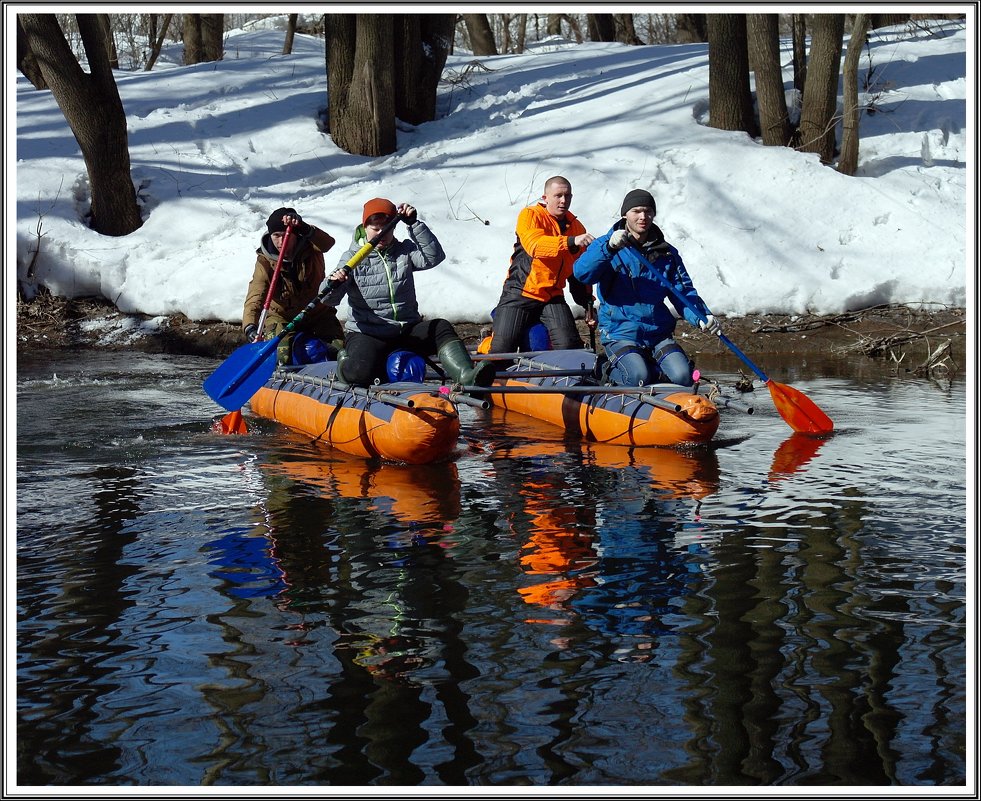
609, 545
368, 592
67, 635
793, 454
200, 610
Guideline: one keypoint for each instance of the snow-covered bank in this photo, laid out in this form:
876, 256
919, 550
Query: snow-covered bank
761, 229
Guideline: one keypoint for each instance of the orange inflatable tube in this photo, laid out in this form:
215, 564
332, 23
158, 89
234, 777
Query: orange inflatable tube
611, 418
404, 422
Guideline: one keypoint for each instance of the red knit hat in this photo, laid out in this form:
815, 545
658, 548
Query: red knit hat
378, 205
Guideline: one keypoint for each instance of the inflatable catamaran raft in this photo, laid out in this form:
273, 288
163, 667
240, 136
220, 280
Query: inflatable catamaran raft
559, 387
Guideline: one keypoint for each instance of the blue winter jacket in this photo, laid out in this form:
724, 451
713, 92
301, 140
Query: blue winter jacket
632, 302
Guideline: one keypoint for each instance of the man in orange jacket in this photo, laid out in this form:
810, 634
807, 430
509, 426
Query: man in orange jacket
549, 239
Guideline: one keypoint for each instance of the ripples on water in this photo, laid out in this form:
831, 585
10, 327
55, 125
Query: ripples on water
194, 609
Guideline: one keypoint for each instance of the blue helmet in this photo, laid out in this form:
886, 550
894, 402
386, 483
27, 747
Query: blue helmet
309, 349
404, 365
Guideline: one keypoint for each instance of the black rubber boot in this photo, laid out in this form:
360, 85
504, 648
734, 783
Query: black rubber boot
460, 367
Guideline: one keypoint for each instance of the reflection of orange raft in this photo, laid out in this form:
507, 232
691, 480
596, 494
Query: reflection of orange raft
675, 473
665, 415
408, 494
405, 422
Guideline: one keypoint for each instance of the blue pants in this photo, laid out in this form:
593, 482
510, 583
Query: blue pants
632, 365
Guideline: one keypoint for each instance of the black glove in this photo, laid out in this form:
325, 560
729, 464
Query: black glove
251, 332
301, 228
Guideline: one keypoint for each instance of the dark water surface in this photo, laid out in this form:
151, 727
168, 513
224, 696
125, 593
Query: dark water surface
198, 609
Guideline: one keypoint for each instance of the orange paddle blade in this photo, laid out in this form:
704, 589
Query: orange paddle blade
232, 423
799, 411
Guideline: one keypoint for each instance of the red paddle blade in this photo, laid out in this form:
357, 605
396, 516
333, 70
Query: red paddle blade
232, 423
799, 411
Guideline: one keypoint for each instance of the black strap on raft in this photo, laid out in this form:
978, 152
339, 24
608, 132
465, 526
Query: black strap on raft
605, 364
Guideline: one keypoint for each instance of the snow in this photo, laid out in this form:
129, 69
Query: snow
216, 147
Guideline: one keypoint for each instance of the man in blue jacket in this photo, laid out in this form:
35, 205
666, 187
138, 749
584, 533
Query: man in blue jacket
636, 315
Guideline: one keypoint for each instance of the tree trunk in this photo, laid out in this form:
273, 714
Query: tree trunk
730, 99
798, 25
421, 45
522, 25
360, 93
191, 24
94, 111
764, 50
601, 28
691, 28
817, 116
883, 20
212, 37
290, 33
554, 25
106, 26
626, 32
158, 43
480, 33
852, 113
26, 61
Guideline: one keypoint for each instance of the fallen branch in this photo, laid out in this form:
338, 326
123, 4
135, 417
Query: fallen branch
879, 346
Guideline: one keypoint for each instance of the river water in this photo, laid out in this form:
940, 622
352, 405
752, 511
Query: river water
198, 610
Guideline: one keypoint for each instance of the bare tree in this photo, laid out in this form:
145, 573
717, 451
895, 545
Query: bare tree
730, 99
191, 26
290, 33
203, 37
480, 33
422, 44
763, 34
213, 36
884, 20
94, 111
798, 34
360, 89
817, 117
625, 31
158, 42
852, 113
106, 27
26, 61
601, 28
691, 28
521, 32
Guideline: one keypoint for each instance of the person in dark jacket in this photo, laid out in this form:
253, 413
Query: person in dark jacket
385, 313
549, 238
298, 283
637, 317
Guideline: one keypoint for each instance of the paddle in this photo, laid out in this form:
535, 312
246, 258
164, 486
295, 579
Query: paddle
233, 422
241, 375
797, 410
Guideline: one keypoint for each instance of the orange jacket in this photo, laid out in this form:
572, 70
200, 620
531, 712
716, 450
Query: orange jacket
544, 252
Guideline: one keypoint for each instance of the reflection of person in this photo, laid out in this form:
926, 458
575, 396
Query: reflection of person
549, 239
636, 315
385, 314
297, 284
